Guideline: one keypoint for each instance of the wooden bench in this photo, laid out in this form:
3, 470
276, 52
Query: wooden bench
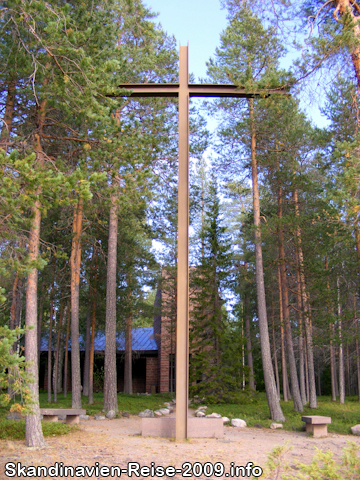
317, 425
52, 414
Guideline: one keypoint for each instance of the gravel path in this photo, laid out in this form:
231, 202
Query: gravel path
117, 442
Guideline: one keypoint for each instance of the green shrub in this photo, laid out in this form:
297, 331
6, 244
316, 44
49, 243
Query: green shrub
322, 467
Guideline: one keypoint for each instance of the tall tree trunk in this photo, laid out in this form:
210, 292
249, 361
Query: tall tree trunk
341, 351
87, 353
295, 390
110, 380
57, 352
301, 336
40, 319
277, 378
128, 386
15, 318
33, 430
75, 262
92, 338
270, 386
282, 338
332, 353
306, 310
66, 363
248, 343
8, 116
92, 352
49, 372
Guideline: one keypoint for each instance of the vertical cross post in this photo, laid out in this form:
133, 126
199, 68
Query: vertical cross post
182, 326
183, 90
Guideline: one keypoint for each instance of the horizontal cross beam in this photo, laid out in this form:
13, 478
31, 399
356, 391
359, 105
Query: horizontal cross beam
194, 90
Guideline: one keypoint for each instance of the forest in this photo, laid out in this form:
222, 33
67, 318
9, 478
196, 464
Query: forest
88, 193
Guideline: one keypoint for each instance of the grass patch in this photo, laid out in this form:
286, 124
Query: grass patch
132, 404
15, 429
255, 411
343, 417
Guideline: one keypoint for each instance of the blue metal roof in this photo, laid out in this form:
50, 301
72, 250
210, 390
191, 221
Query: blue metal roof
142, 339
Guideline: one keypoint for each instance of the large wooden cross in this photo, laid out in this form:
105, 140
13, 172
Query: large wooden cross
183, 90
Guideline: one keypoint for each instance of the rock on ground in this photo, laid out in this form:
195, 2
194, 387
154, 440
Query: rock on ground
126, 414
146, 413
214, 415
355, 430
225, 419
99, 417
275, 426
200, 414
84, 417
237, 422
164, 411
111, 414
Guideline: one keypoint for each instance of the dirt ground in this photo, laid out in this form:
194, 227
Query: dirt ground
117, 442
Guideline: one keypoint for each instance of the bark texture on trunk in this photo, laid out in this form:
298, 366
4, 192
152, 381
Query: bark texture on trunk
110, 380
294, 382
270, 386
301, 336
50, 335
276, 366
57, 353
286, 393
87, 353
248, 344
341, 351
33, 430
92, 337
75, 261
92, 351
67, 349
306, 310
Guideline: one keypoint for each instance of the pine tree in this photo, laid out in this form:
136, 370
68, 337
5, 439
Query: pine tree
248, 56
211, 371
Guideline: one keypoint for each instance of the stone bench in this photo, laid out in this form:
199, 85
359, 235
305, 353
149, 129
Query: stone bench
317, 425
52, 414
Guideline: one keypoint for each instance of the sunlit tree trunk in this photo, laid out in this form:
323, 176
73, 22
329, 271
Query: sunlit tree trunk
110, 380
306, 310
295, 390
87, 353
49, 366
66, 363
57, 352
341, 350
270, 386
75, 261
33, 430
92, 337
282, 339
301, 336
276, 366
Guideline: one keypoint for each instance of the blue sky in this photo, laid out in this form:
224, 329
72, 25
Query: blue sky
198, 22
